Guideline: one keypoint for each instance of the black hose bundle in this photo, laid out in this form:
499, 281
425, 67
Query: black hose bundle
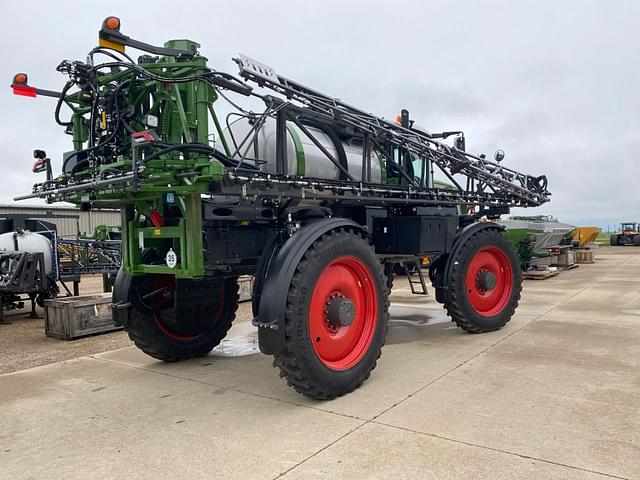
86, 76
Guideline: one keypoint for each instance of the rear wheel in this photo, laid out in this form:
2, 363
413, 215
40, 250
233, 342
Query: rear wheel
636, 240
613, 240
337, 315
485, 283
173, 324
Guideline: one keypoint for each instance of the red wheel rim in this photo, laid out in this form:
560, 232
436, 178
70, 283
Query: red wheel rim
485, 301
165, 319
340, 347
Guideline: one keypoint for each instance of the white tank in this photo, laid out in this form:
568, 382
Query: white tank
304, 158
28, 242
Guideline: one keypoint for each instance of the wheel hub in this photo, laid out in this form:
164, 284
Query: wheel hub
343, 313
489, 280
340, 311
486, 280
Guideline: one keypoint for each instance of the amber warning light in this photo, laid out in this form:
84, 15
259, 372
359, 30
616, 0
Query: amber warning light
112, 23
20, 86
110, 36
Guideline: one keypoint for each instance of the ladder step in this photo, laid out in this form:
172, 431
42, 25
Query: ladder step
417, 285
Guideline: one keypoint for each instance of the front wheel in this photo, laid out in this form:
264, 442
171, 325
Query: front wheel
172, 324
485, 283
336, 317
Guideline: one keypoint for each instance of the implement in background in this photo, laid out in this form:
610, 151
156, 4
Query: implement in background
35, 268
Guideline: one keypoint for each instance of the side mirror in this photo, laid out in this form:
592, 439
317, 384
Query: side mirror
499, 155
42, 164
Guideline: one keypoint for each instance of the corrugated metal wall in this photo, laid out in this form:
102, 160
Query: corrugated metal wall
67, 227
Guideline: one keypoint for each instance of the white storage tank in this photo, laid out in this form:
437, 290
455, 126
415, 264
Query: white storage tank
25, 241
304, 158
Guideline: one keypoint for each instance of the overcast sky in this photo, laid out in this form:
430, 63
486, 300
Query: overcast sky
552, 83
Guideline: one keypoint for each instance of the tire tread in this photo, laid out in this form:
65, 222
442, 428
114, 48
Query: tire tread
167, 351
455, 306
287, 361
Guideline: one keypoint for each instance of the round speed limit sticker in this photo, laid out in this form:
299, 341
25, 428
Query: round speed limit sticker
171, 258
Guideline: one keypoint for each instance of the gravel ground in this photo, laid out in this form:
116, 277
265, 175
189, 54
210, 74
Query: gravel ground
23, 343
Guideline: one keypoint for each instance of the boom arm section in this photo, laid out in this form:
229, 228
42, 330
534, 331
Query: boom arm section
141, 128
482, 176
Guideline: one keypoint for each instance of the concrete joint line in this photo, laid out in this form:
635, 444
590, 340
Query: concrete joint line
498, 450
482, 352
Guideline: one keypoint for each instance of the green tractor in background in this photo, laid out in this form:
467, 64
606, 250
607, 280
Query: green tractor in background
104, 232
523, 240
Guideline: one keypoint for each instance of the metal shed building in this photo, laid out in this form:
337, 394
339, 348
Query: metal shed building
82, 222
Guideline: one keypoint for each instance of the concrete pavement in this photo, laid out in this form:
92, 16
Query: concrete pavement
555, 394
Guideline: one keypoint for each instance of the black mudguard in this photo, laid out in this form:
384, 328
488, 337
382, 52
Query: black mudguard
273, 298
268, 254
121, 296
120, 301
440, 270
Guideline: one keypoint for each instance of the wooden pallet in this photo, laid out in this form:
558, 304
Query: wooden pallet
585, 256
539, 275
570, 267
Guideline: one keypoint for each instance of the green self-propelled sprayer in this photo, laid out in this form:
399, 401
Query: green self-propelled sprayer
317, 199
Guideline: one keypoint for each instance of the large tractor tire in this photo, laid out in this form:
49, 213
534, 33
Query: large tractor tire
636, 240
172, 332
614, 240
159, 331
485, 283
336, 318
